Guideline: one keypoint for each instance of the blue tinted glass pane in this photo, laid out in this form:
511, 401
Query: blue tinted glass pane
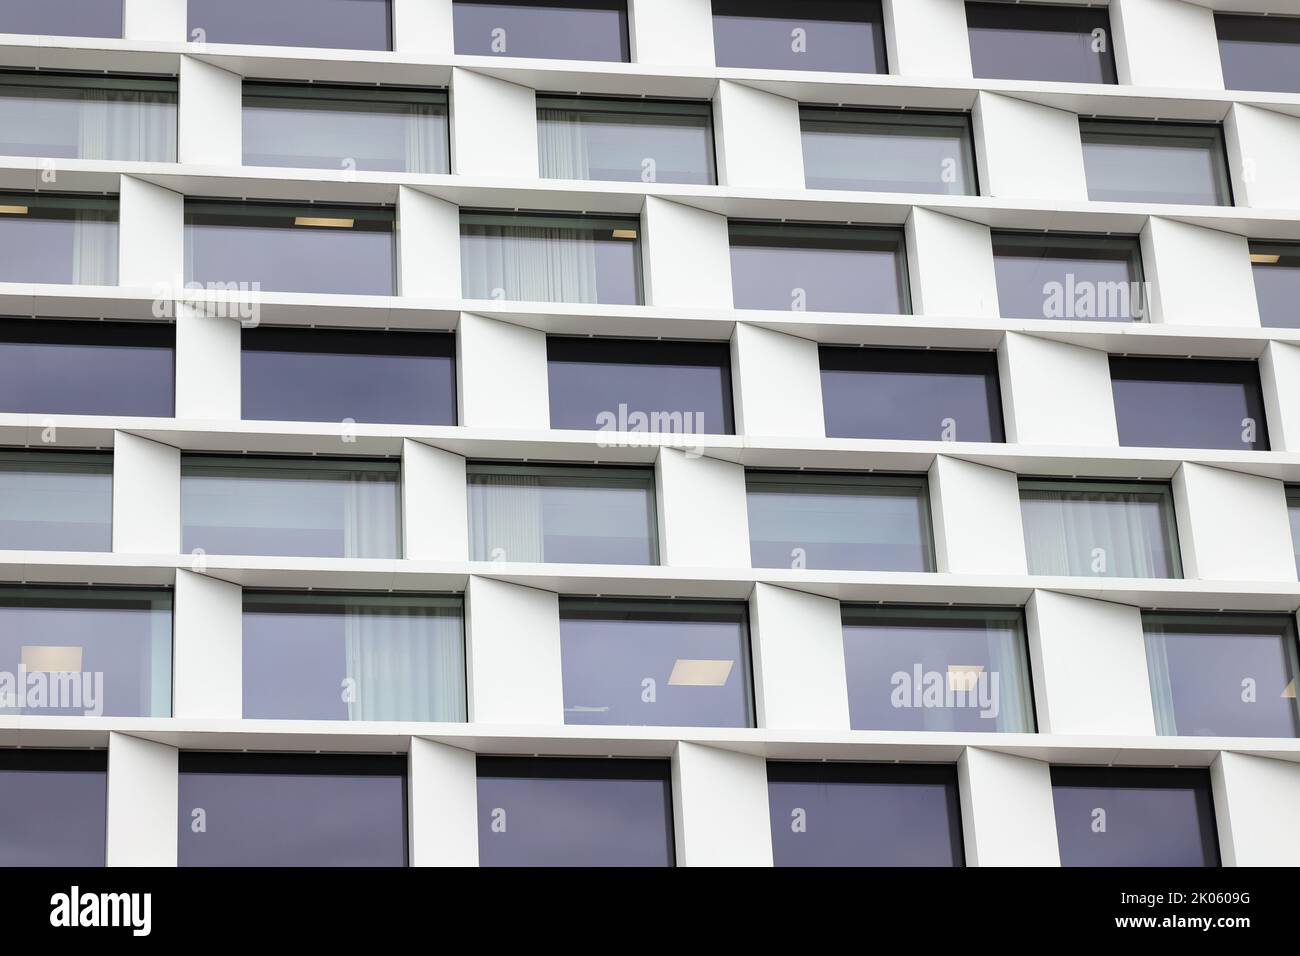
937, 669
1079, 278
353, 657
1293, 511
554, 29
1222, 675
51, 501
86, 652
838, 814
911, 394
842, 36
327, 375
1014, 41
1134, 817
58, 239
625, 140
327, 508
66, 18
1259, 53
887, 152
640, 385
562, 516
341, 24
292, 810
819, 521
340, 127
1276, 267
72, 117
565, 812
1154, 162
1184, 403
86, 368
818, 268
648, 664
54, 808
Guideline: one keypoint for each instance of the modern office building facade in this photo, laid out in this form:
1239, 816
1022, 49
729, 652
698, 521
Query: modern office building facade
649, 432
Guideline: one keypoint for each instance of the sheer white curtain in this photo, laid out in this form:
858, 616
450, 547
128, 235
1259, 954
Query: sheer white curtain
422, 146
1162, 688
129, 125
1006, 647
506, 518
531, 263
408, 663
370, 515
562, 145
1064, 529
94, 247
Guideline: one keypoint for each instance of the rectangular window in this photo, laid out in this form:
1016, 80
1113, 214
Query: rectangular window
813, 268
1276, 267
270, 247
1293, 512
1136, 161
323, 126
839, 522
1223, 675
640, 385
551, 29
58, 367
292, 810
86, 652
1188, 403
938, 669
326, 24
655, 663
864, 814
1154, 817
625, 140
561, 515
308, 507
574, 812
73, 116
323, 656
837, 36
56, 501
1100, 528
1036, 41
63, 239
888, 152
55, 807
1082, 278
538, 257
62, 18
336, 375
939, 395
1259, 53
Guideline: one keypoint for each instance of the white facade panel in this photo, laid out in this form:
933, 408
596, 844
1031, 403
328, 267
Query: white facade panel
502, 374
720, 807
1178, 257
208, 647
1052, 170
950, 265
493, 127
777, 384
976, 515
512, 636
1232, 526
443, 804
703, 517
688, 256
143, 789
757, 136
1038, 410
1007, 814
799, 675
146, 496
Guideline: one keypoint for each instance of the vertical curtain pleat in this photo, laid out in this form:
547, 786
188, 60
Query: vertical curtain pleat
534, 263
562, 145
1060, 539
407, 664
421, 148
369, 529
1162, 689
94, 248
507, 518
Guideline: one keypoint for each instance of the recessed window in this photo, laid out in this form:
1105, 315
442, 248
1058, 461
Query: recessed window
323, 656
269, 247
291, 810
839, 522
1223, 675
57, 367
939, 669
1188, 403
1080, 278
72, 116
554, 29
640, 385
1276, 267
85, 652
328, 24
937, 395
56, 501
335, 375
1293, 512
1259, 53
322, 126
1133, 161
1109, 816
538, 257
55, 807
1100, 528
811, 268
317, 507
888, 152
1038, 41
66, 239
863, 814
538, 811
648, 141
562, 515
655, 663
840, 36
62, 18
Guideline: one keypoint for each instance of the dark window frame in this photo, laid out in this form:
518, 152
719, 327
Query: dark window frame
1010, 15
1211, 132
1245, 23
617, 6
1168, 369
872, 13
1073, 240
